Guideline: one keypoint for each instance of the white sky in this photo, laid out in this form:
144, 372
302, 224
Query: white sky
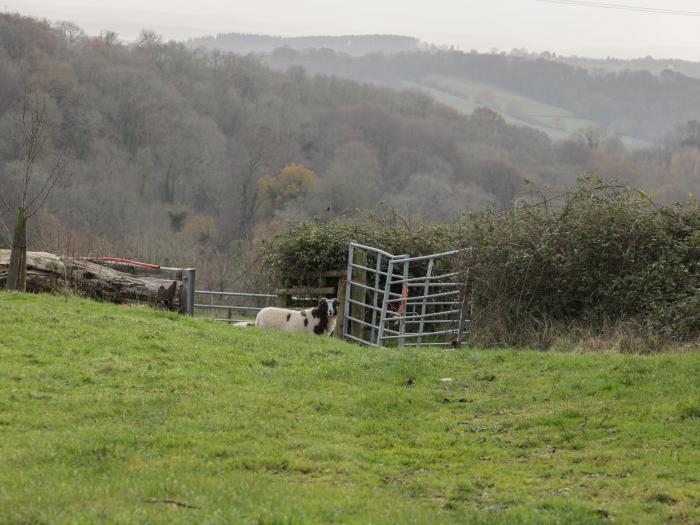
466, 24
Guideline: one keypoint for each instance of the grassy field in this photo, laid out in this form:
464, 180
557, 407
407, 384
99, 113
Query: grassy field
114, 414
466, 95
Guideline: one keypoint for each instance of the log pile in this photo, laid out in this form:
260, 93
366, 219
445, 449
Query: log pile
47, 272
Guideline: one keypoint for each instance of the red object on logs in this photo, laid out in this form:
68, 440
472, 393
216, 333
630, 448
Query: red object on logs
127, 261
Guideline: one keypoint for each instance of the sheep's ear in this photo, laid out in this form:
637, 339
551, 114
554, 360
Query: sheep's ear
336, 302
323, 306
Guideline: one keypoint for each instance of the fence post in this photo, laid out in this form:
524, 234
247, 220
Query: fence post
340, 327
284, 299
188, 284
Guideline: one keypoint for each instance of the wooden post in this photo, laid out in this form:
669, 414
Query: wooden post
284, 300
340, 295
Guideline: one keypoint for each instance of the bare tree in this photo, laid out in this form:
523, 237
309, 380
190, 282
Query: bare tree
32, 131
110, 38
592, 136
148, 39
70, 32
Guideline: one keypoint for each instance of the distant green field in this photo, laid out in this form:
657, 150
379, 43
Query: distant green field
653, 66
113, 414
466, 95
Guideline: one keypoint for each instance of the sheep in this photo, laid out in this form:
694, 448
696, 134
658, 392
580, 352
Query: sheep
319, 321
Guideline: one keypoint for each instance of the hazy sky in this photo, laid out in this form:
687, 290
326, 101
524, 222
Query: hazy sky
466, 24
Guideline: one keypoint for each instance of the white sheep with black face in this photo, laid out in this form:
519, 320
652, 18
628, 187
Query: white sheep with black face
319, 320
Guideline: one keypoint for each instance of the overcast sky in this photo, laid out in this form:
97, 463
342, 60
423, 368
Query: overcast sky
466, 24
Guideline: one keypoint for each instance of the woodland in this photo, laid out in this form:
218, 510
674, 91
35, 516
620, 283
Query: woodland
189, 157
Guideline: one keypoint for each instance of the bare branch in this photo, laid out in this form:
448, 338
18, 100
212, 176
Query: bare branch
33, 122
7, 206
7, 230
48, 185
43, 199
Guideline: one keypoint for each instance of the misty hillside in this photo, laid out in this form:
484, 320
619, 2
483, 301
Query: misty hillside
354, 45
169, 153
637, 104
159, 139
639, 100
655, 66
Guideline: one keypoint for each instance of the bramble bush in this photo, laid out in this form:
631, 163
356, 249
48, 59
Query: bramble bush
592, 258
595, 257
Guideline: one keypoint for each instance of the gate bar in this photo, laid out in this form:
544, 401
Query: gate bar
237, 294
441, 294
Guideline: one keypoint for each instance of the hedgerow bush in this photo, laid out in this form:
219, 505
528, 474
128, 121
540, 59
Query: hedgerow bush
311, 246
594, 258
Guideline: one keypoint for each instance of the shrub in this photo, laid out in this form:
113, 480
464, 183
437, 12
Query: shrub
591, 258
308, 247
599, 256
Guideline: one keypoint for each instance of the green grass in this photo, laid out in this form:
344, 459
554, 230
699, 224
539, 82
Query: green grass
107, 411
466, 95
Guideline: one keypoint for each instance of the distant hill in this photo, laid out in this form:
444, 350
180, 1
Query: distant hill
466, 95
652, 65
637, 104
353, 45
639, 100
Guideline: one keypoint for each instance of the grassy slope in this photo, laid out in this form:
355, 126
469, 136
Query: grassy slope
464, 95
103, 408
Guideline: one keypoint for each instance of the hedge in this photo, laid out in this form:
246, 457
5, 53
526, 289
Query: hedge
594, 256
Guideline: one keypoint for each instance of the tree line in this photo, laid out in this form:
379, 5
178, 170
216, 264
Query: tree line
183, 156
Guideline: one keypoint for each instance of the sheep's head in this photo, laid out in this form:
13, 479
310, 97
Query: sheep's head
328, 307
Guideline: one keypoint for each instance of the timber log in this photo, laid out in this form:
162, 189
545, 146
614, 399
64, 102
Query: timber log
47, 272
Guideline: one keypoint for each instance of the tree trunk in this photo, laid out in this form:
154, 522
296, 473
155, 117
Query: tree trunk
17, 272
49, 273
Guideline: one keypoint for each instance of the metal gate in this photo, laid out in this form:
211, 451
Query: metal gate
246, 306
404, 300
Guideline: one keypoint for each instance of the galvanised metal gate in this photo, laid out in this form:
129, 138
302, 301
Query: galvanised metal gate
410, 301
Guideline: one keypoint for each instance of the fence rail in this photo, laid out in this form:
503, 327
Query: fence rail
238, 294
210, 306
